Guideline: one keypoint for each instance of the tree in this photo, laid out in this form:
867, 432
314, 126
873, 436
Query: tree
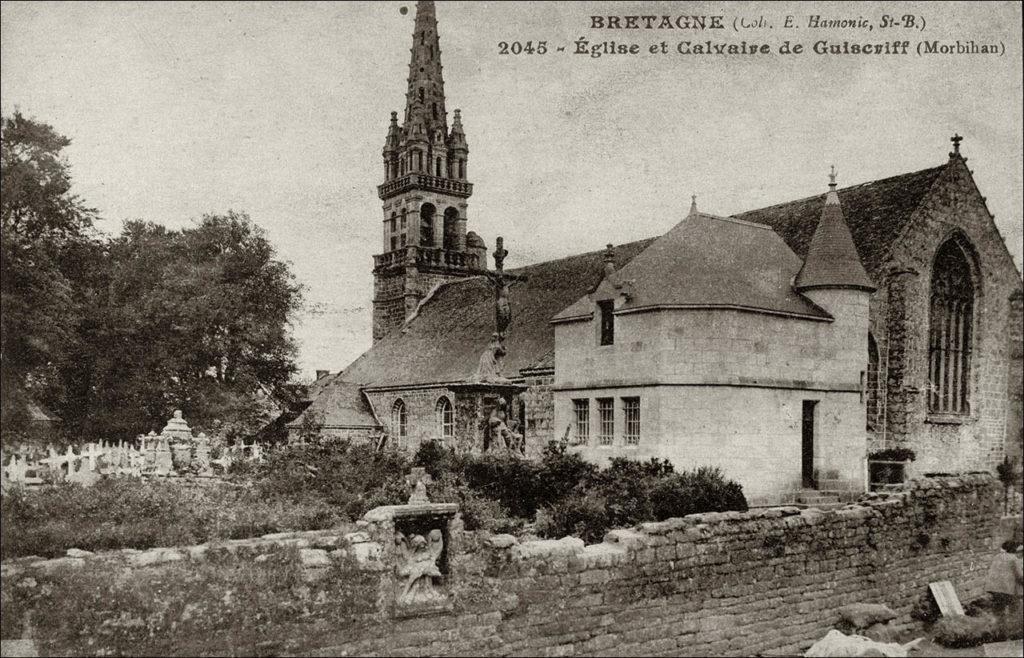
197, 319
41, 221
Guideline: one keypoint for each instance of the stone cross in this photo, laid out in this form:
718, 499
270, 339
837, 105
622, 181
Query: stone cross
16, 470
91, 452
54, 460
956, 139
419, 479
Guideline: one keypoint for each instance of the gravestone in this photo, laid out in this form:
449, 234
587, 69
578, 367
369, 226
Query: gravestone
946, 598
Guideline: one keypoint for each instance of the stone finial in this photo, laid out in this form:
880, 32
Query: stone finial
176, 427
693, 204
832, 198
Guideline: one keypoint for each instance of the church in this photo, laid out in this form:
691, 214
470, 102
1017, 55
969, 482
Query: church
782, 345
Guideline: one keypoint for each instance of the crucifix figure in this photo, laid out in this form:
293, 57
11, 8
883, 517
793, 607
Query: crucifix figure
490, 361
419, 479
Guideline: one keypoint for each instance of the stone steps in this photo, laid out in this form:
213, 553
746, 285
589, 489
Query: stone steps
818, 498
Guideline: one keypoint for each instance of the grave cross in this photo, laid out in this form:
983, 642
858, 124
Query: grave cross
91, 452
419, 479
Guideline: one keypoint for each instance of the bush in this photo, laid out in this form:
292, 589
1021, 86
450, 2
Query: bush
133, 513
961, 631
630, 492
350, 477
578, 515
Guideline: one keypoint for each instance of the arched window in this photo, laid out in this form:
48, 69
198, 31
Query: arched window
451, 228
427, 212
445, 417
400, 423
438, 170
421, 94
950, 331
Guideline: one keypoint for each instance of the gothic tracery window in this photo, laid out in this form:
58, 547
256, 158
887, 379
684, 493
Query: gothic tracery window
950, 332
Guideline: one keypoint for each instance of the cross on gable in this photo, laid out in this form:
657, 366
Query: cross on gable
418, 478
956, 139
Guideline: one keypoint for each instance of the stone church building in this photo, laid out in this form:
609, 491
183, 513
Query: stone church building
782, 344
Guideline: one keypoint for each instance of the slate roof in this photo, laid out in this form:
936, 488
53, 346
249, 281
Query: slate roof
707, 261
442, 344
340, 404
876, 213
444, 341
832, 259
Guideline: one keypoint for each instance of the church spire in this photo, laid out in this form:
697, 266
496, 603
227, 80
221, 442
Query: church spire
424, 103
832, 260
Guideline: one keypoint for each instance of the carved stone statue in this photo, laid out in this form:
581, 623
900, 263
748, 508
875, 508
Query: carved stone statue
418, 567
489, 368
498, 433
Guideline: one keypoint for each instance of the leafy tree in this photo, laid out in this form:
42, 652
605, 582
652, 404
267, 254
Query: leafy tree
116, 333
41, 222
196, 319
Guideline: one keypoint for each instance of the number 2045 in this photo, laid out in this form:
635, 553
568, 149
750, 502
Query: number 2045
521, 48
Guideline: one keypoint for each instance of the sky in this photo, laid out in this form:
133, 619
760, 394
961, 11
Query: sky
280, 110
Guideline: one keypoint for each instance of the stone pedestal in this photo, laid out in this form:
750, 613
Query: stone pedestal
474, 404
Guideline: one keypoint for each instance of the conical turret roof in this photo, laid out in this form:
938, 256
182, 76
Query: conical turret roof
832, 260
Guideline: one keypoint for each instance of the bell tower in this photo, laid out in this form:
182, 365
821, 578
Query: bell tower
425, 191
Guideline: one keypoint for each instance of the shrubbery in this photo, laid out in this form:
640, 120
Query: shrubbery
569, 496
317, 485
133, 513
962, 631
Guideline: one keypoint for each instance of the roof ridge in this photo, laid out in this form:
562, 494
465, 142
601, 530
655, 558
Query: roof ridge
744, 222
842, 189
583, 253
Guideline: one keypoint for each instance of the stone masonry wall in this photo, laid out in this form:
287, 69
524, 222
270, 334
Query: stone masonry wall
729, 583
899, 324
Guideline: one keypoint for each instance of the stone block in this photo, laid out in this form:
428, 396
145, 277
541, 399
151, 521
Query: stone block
156, 556
541, 548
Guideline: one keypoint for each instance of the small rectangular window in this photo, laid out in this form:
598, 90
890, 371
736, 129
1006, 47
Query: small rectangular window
631, 414
581, 408
606, 418
607, 322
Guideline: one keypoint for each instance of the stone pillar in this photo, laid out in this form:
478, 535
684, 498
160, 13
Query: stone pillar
904, 391
460, 231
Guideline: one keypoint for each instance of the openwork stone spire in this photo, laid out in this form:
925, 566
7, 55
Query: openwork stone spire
424, 105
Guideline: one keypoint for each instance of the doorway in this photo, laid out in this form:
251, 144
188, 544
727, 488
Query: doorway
807, 444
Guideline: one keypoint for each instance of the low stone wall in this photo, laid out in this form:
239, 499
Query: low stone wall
730, 583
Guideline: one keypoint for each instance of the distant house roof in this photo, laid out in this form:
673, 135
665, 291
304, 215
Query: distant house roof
37, 413
876, 212
706, 261
340, 405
